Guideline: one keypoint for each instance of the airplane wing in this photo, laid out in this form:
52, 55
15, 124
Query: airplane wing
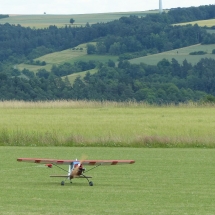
45, 161
85, 162
107, 162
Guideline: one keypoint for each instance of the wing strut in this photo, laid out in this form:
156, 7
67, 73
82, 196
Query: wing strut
93, 168
60, 167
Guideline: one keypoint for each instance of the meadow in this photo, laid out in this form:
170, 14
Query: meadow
79, 53
162, 181
72, 77
82, 123
45, 20
202, 23
179, 54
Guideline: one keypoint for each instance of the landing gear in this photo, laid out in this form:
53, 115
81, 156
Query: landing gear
62, 183
91, 183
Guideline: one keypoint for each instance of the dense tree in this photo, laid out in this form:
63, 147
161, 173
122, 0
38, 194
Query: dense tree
167, 82
3, 16
91, 49
72, 21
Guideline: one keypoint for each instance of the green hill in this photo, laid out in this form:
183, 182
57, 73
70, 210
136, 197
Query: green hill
72, 77
70, 55
179, 54
45, 20
202, 23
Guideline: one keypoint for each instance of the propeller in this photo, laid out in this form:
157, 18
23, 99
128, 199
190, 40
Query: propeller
74, 173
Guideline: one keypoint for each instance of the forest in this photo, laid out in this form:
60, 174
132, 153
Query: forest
3, 16
167, 82
128, 37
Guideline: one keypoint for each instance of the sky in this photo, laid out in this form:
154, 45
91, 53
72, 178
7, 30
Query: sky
90, 6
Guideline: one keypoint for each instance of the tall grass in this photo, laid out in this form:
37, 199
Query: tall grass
70, 104
94, 123
14, 104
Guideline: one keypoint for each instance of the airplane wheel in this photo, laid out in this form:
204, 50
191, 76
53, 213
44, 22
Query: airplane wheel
91, 183
62, 183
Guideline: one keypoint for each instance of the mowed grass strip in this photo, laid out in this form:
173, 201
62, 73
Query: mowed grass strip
179, 54
162, 181
82, 123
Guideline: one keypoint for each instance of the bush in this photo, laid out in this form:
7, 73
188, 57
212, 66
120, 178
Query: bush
198, 53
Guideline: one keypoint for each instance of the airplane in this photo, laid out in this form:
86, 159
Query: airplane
76, 169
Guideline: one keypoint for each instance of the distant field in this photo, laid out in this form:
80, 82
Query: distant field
161, 182
72, 77
179, 54
69, 55
45, 20
211, 31
202, 23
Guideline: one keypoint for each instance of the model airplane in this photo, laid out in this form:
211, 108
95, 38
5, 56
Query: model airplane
76, 168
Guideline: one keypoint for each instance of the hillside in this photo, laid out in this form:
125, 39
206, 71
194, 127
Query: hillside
78, 53
45, 20
202, 23
67, 53
179, 54
74, 76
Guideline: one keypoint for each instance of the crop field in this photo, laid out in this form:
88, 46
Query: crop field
202, 23
82, 123
179, 54
79, 53
45, 20
162, 181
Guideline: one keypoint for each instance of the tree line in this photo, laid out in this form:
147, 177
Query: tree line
2, 16
167, 82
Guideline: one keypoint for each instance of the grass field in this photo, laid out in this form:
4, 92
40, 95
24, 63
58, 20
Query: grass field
202, 23
81, 123
45, 20
211, 31
162, 181
179, 54
69, 56
72, 77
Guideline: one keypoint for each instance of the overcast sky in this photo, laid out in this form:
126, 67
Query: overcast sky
90, 6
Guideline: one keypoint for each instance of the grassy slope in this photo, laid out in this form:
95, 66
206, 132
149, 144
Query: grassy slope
179, 54
44, 21
68, 55
208, 23
102, 124
71, 56
72, 77
74, 55
162, 181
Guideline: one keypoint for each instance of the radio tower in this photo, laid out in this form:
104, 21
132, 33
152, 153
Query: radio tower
160, 6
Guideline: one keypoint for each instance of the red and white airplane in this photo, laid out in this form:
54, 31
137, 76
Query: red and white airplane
76, 168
